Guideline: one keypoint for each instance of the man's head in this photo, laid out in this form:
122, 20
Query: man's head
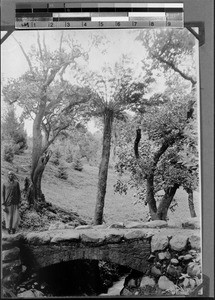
11, 175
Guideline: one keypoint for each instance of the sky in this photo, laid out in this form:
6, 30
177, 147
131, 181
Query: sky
14, 64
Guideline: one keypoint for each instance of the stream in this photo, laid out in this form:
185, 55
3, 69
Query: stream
116, 288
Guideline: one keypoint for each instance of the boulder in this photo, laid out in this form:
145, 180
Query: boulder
178, 242
188, 257
147, 281
114, 236
38, 238
165, 284
174, 271
159, 242
131, 283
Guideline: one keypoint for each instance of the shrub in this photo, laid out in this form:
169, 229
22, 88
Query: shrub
8, 153
77, 164
56, 157
69, 158
62, 173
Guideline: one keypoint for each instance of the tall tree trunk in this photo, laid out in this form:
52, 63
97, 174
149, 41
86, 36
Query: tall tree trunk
191, 203
150, 200
103, 168
166, 201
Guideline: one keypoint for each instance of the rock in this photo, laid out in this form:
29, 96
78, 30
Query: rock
84, 227
155, 271
156, 224
102, 226
181, 257
38, 238
159, 242
174, 261
186, 282
165, 284
134, 234
161, 255
188, 257
66, 235
117, 225
11, 254
31, 294
113, 236
173, 271
192, 252
192, 223
24, 268
193, 269
131, 283
92, 236
151, 258
195, 242
135, 225
178, 242
125, 292
13, 266
147, 281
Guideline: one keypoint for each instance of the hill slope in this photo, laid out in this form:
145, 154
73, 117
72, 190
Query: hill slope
78, 192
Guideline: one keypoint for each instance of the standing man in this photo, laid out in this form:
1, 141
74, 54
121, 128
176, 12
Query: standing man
11, 200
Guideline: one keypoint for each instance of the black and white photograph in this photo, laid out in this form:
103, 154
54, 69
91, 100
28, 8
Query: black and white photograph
100, 163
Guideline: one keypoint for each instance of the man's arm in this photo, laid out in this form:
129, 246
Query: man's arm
3, 193
18, 193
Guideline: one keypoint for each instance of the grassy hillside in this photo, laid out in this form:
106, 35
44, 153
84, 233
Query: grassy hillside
78, 192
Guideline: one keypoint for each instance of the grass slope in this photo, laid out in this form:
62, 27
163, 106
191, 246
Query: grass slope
78, 192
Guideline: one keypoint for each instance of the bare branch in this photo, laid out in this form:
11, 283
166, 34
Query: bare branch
61, 41
25, 54
39, 45
44, 43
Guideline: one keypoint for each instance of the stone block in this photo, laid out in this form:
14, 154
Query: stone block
178, 242
134, 234
92, 237
135, 225
159, 242
156, 224
11, 254
38, 238
84, 227
66, 235
114, 237
192, 223
117, 225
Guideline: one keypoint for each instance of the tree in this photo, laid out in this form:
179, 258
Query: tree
45, 96
13, 130
158, 163
115, 89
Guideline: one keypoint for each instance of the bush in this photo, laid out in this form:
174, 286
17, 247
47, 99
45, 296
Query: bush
62, 173
56, 157
77, 165
69, 158
8, 153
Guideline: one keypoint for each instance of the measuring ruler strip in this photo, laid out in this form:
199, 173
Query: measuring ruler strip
101, 24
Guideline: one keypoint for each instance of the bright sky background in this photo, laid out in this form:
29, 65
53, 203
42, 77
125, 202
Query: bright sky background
14, 64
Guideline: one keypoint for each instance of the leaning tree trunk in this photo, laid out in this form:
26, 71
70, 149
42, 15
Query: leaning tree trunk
103, 168
191, 203
166, 201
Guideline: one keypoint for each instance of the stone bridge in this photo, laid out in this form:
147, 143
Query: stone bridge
129, 246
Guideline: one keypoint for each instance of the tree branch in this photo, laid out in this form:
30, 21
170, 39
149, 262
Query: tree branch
171, 65
25, 54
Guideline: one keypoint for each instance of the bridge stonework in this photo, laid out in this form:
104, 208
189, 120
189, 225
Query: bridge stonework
129, 246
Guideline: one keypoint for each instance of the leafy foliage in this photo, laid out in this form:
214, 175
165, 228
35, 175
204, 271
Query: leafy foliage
8, 153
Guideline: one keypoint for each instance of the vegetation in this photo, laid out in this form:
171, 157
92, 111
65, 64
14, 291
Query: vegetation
60, 92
